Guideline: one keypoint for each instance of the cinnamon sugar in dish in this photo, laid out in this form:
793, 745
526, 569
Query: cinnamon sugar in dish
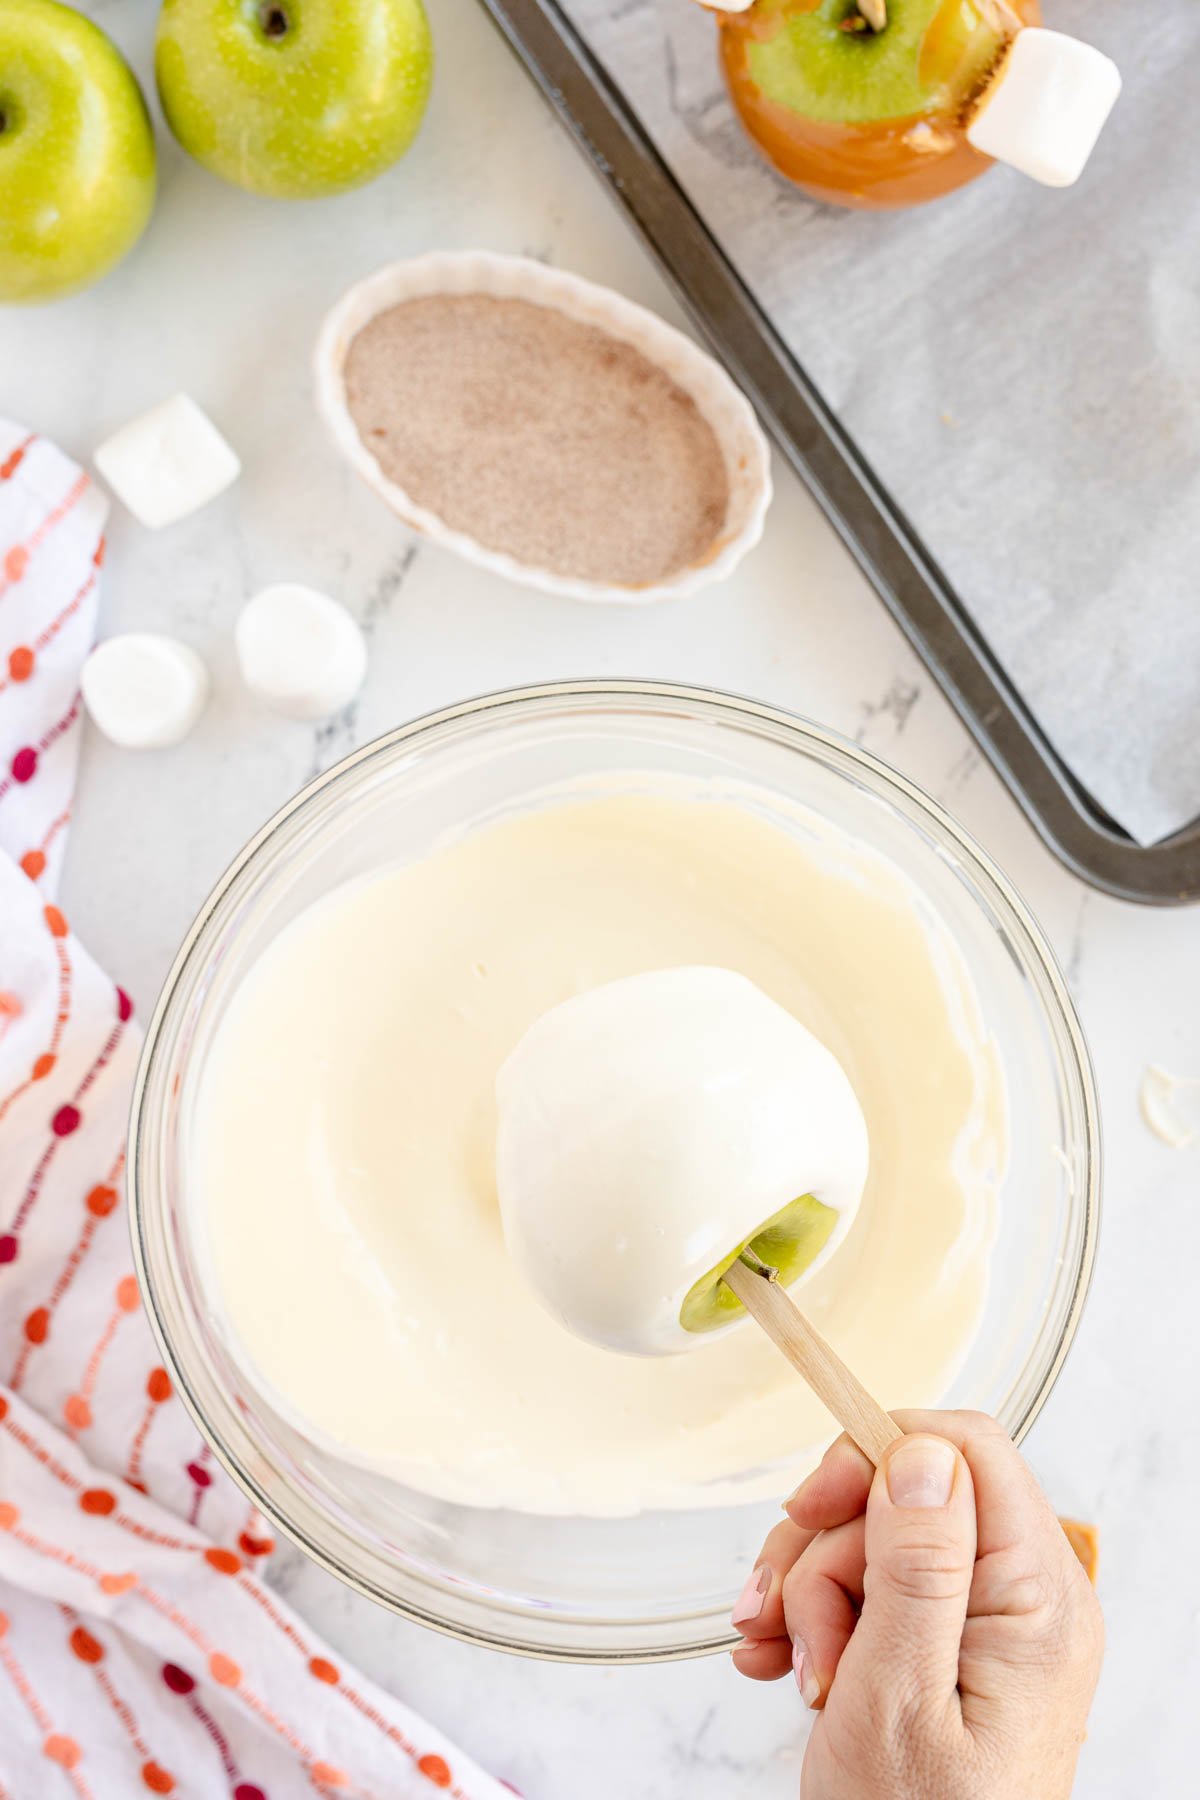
540, 436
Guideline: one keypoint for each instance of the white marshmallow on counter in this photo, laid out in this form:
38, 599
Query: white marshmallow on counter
1046, 106
167, 462
649, 1127
144, 690
300, 652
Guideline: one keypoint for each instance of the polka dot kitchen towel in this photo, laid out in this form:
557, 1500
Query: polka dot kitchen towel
140, 1651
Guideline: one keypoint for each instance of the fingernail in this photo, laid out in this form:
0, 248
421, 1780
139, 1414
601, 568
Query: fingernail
796, 1492
920, 1473
806, 1681
752, 1597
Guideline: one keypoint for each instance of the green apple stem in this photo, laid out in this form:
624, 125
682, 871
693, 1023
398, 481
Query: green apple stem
757, 1265
273, 21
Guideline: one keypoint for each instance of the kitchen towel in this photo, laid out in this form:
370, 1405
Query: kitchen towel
140, 1651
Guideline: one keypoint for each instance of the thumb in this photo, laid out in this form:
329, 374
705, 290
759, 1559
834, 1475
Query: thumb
920, 1554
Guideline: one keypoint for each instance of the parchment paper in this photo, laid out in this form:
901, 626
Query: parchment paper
1021, 366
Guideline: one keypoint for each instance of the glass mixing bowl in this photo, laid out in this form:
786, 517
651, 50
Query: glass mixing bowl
659, 1585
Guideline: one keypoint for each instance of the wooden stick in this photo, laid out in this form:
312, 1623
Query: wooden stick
861, 1417
875, 13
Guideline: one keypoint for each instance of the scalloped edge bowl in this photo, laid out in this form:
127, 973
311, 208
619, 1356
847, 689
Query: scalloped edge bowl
747, 457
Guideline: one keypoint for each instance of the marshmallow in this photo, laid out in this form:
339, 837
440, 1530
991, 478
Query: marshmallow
144, 690
1046, 106
300, 652
167, 462
649, 1128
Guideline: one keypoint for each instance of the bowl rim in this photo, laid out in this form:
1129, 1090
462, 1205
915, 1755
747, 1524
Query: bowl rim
700, 701
447, 272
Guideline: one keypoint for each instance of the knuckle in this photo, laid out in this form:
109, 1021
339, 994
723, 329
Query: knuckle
983, 1425
794, 1583
797, 1596
779, 1548
800, 1598
1065, 1627
920, 1567
1034, 1593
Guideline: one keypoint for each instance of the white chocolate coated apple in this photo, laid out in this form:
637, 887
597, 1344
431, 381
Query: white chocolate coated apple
358, 1266
649, 1127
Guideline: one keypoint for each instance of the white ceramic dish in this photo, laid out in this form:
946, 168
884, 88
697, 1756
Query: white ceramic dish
727, 410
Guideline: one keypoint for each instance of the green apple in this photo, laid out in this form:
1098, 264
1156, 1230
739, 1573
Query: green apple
76, 152
790, 1241
294, 98
824, 62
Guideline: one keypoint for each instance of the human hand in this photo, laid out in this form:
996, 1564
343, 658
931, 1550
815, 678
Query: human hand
934, 1614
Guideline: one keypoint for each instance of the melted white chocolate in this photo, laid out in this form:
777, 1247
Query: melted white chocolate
345, 1136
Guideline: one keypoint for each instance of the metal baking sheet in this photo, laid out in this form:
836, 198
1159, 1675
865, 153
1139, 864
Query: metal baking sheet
899, 564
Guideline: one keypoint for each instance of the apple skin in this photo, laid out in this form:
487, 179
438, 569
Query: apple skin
863, 120
790, 1242
77, 165
295, 99
929, 54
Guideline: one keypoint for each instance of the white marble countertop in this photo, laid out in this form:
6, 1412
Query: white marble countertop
223, 299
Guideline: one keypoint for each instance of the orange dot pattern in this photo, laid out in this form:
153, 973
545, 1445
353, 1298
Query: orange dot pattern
33, 862
223, 1669
329, 1776
101, 1201
117, 1584
87, 1648
17, 557
46, 1060
44, 1302
61, 1749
